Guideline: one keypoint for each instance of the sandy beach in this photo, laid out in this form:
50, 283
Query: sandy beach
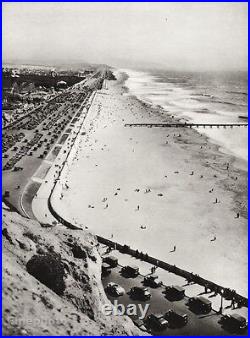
155, 189
125, 169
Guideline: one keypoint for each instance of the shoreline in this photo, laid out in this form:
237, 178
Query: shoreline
146, 96
237, 162
83, 219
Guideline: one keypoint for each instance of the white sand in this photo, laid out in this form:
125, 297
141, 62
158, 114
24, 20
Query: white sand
110, 156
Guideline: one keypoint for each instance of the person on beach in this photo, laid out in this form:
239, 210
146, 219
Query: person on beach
153, 269
233, 304
138, 207
206, 286
174, 249
213, 239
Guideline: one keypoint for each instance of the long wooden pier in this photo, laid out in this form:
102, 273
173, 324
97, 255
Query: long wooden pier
186, 125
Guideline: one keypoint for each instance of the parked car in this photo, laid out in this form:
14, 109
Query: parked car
130, 270
140, 292
111, 260
152, 281
140, 324
106, 269
234, 322
175, 319
175, 292
115, 289
157, 321
200, 304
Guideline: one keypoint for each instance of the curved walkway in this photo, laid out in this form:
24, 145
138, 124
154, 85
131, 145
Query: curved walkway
41, 210
31, 189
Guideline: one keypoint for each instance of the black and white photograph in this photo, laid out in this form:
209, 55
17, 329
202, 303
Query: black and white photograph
124, 168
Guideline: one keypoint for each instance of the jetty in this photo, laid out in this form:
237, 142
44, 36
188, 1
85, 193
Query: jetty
186, 125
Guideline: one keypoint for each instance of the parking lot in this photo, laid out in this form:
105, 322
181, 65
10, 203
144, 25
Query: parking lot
198, 324
28, 149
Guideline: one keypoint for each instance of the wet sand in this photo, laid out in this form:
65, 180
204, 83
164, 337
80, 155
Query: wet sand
155, 189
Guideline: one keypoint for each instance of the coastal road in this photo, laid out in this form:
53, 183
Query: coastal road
40, 135
40, 201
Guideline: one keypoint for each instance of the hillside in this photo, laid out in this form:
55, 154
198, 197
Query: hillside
72, 304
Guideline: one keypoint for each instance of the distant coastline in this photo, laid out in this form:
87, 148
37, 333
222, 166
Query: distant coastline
182, 95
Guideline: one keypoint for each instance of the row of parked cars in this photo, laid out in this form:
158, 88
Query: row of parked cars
158, 322
171, 318
136, 292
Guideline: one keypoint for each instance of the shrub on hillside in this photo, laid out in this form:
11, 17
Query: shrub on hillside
49, 270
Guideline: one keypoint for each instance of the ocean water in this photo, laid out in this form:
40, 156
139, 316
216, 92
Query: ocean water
200, 98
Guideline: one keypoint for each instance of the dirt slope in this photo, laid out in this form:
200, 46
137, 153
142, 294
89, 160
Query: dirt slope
30, 307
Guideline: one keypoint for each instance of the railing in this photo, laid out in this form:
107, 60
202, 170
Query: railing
189, 276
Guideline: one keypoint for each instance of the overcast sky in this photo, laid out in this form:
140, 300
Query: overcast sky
182, 36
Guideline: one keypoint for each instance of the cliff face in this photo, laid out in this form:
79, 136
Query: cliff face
32, 308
